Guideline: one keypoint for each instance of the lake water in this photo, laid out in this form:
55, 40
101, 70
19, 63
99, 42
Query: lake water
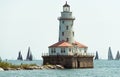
102, 68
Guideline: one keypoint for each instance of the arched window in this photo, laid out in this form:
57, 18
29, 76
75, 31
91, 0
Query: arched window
69, 49
73, 33
62, 33
62, 22
67, 39
67, 27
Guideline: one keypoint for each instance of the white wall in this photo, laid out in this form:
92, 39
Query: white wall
67, 33
58, 51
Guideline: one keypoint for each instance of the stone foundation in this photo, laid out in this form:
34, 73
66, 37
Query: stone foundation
69, 61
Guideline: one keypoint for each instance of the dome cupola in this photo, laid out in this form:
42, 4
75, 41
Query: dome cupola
66, 7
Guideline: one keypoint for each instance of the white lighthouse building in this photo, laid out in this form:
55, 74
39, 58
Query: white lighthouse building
66, 20
66, 44
67, 51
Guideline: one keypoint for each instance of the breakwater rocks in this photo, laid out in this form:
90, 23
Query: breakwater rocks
33, 67
1, 69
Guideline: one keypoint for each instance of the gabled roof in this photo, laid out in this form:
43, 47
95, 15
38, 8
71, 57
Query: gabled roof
66, 44
61, 44
80, 45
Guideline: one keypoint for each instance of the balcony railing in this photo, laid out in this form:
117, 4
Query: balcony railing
71, 54
62, 18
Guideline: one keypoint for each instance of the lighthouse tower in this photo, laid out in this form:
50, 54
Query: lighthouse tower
67, 51
66, 20
66, 44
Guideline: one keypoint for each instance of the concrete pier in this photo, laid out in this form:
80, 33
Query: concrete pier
69, 61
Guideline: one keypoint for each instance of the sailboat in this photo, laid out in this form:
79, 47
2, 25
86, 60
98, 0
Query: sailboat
29, 55
96, 57
110, 57
0, 59
19, 56
117, 56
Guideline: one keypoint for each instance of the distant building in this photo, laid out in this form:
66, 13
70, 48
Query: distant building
67, 51
19, 56
29, 55
96, 56
110, 56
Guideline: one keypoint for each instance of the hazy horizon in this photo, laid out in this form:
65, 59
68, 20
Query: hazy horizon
34, 23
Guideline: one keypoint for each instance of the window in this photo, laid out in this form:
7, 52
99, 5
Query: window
62, 33
73, 33
67, 27
67, 39
62, 50
69, 49
53, 50
63, 22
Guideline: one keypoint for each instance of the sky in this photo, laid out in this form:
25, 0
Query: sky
34, 23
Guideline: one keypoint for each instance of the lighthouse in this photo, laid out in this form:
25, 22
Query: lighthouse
66, 44
67, 51
66, 20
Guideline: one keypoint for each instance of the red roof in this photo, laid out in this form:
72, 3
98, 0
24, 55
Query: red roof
61, 44
79, 45
66, 44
